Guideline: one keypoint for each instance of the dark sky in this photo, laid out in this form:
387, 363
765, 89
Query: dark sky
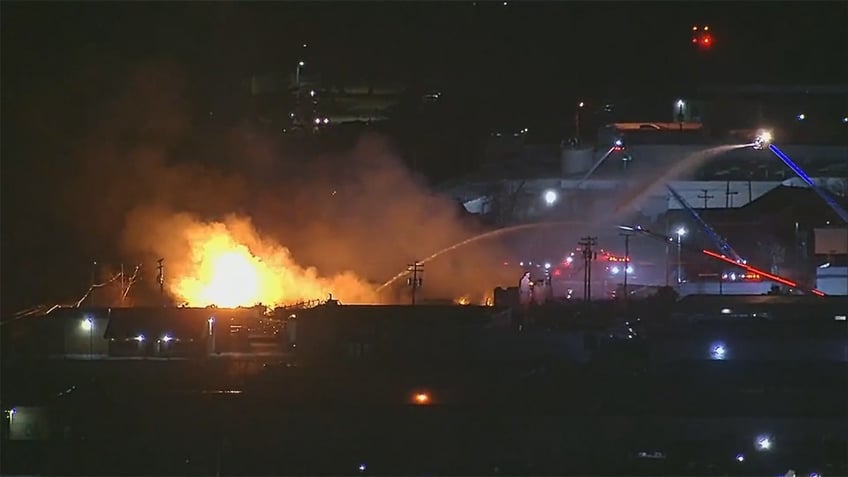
62, 61
522, 43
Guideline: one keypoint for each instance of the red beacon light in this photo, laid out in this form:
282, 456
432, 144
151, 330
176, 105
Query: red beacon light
701, 37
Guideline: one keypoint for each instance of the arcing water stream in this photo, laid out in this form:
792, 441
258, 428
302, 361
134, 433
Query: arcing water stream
485, 235
688, 164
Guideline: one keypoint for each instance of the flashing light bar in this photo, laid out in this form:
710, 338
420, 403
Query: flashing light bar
759, 272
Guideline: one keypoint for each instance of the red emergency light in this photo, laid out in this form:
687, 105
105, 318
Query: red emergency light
759, 272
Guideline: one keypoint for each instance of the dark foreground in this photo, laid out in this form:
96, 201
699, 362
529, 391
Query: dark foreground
189, 418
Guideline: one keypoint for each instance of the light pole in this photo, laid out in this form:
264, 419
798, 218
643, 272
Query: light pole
88, 325
626, 236
300, 64
577, 120
681, 231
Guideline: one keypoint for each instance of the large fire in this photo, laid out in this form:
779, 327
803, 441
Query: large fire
230, 266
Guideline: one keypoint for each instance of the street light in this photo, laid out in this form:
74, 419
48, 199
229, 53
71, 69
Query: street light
88, 325
680, 232
577, 120
300, 64
764, 442
627, 268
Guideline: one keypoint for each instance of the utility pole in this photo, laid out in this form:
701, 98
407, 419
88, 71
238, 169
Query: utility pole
415, 281
589, 255
706, 197
580, 105
626, 236
161, 276
728, 196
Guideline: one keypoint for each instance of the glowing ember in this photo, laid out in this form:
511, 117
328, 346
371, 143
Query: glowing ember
231, 266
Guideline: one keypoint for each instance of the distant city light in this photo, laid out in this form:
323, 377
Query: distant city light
422, 398
87, 324
764, 443
550, 197
718, 351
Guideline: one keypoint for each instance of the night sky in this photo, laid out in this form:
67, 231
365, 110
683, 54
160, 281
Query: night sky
60, 61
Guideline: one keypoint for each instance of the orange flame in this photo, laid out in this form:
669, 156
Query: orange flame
231, 266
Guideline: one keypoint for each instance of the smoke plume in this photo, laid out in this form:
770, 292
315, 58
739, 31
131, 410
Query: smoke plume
157, 178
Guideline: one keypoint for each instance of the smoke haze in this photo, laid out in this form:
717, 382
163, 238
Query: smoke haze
153, 178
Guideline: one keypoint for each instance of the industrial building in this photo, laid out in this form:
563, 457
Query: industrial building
147, 332
710, 158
